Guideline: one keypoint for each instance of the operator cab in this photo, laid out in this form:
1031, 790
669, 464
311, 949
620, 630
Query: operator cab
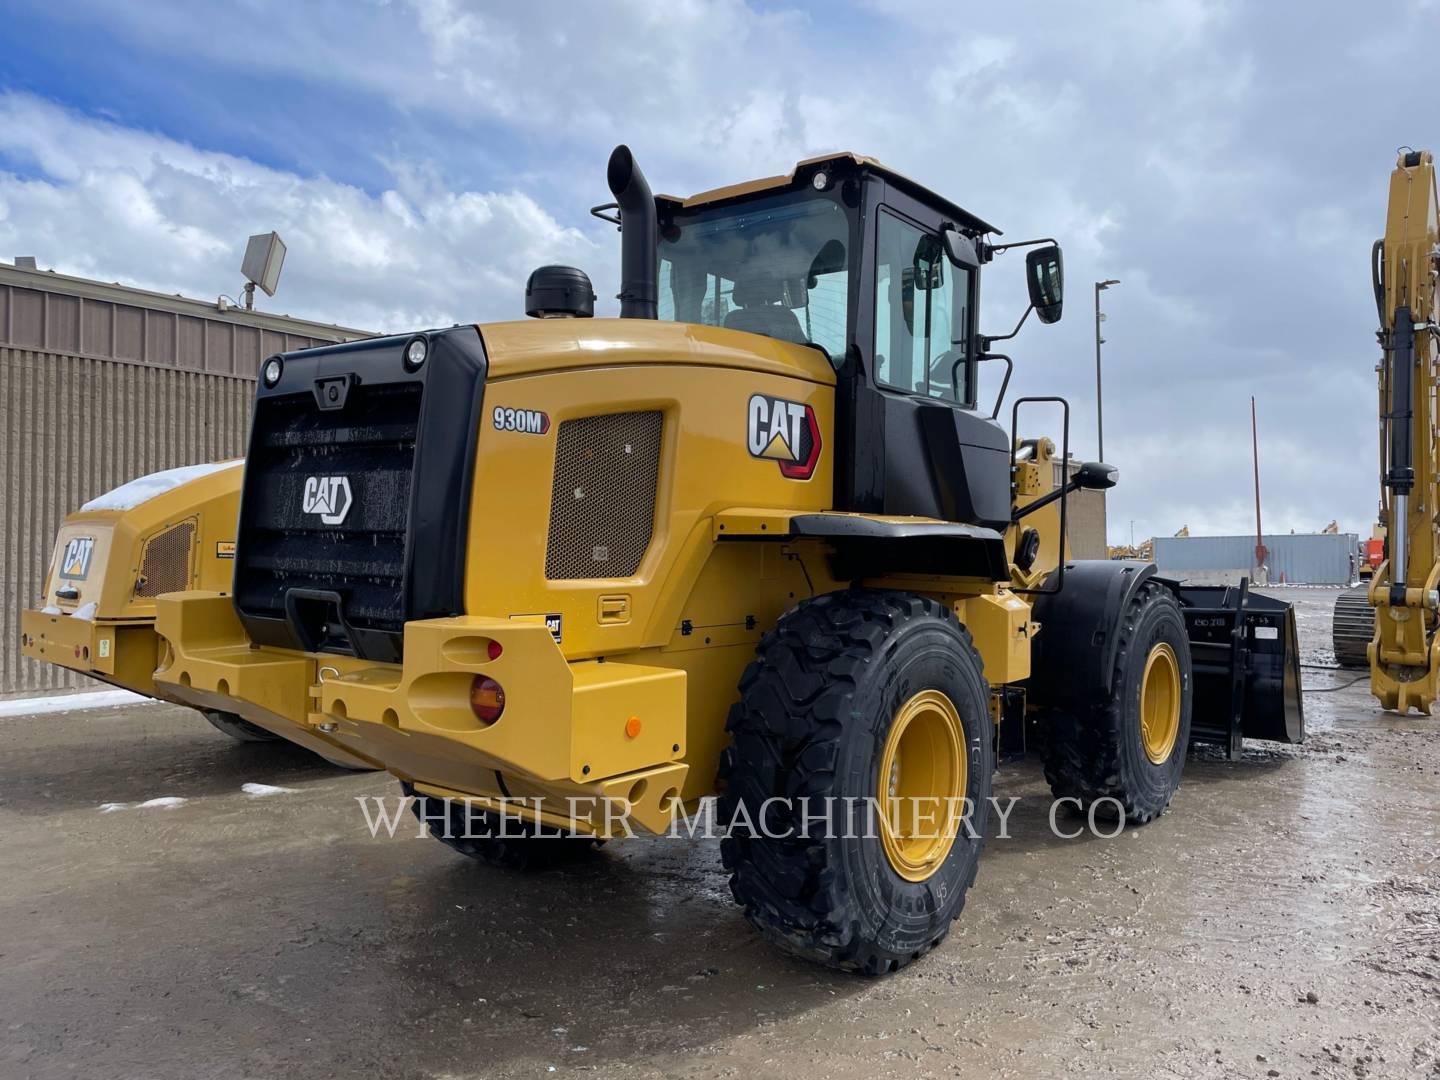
882, 276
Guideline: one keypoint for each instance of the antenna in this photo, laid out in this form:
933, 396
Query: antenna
264, 256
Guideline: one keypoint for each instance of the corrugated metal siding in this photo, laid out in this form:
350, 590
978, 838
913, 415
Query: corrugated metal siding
84, 326
77, 427
99, 384
1303, 559
1084, 519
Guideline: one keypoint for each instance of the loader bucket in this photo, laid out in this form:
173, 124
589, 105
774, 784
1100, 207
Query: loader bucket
1245, 655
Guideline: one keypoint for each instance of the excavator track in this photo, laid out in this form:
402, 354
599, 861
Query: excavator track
1352, 627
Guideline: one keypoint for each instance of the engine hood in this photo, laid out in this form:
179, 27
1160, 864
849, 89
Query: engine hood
537, 345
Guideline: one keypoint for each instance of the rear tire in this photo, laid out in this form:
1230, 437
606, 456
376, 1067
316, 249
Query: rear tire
838, 690
480, 837
242, 730
238, 728
1109, 751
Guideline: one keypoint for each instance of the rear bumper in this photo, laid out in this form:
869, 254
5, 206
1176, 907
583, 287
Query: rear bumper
586, 730
122, 653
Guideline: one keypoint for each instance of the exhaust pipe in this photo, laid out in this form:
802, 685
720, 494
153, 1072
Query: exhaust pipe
639, 230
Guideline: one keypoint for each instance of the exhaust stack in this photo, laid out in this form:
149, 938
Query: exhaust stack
639, 294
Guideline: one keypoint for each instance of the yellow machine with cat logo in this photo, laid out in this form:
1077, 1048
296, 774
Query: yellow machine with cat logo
762, 536
1403, 591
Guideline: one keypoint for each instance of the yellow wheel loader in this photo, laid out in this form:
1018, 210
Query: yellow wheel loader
170, 531
759, 536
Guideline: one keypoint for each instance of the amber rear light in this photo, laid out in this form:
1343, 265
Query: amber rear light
487, 699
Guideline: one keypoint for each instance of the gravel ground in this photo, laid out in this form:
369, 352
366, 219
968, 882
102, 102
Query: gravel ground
1283, 919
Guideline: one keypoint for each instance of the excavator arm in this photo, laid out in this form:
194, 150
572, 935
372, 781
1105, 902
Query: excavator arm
1404, 653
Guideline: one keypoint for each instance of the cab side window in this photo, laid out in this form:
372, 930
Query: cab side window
922, 314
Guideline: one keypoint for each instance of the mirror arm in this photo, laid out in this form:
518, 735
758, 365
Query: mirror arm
1067, 488
986, 341
993, 248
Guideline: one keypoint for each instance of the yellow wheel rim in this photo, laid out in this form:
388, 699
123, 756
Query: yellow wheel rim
1160, 703
921, 784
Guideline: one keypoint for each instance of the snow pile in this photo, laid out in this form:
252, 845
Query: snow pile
164, 802
128, 496
259, 791
100, 699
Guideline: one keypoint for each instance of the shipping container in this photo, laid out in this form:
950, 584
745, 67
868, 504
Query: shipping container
1292, 558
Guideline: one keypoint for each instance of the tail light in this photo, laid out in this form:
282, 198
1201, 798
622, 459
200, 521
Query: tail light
487, 699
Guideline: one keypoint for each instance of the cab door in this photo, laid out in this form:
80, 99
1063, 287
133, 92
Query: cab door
917, 444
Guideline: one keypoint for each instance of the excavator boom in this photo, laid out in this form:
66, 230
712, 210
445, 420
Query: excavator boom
1404, 662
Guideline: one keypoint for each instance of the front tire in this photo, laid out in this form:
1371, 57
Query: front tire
1130, 747
853, 696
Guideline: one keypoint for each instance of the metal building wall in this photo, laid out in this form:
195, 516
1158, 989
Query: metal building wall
1303, 559
1084, 519
78, 427
100, 384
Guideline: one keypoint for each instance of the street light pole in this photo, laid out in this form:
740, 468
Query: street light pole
1099, 396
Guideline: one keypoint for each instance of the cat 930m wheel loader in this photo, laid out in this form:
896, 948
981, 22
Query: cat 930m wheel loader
758, 536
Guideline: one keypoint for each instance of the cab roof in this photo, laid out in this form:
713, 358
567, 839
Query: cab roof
804, 169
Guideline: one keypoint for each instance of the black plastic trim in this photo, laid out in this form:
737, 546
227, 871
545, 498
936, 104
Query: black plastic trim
438, 515
868, 547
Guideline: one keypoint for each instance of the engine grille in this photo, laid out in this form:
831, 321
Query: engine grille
371, 444
602, 506
165, 567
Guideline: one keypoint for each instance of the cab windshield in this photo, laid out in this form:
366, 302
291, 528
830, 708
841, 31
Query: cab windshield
777, 266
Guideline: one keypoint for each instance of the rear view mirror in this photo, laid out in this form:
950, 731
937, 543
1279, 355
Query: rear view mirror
960, 248
1045, 276
1095, 476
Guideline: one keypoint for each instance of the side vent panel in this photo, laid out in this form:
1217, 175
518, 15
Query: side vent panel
602, 508
165, 567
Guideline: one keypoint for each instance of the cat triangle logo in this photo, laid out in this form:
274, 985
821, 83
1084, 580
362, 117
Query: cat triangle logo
328, 497
785, 432
778, 449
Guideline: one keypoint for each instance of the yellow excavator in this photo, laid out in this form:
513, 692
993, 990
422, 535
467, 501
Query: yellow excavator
1404, 652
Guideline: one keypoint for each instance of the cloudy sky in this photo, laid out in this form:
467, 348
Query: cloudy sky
1226, 161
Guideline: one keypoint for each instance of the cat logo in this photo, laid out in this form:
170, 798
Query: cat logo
327, 496
75, 562
785, 432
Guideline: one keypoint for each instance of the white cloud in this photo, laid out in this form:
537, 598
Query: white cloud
116, 203
1196, 150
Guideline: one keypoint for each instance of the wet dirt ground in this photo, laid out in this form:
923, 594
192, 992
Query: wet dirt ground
1283, 919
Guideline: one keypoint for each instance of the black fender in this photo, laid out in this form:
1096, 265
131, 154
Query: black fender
869, 546
1073, 658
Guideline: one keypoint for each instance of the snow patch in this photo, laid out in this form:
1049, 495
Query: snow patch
100, 699
85, 611
165, 802
261, 790
130, 495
